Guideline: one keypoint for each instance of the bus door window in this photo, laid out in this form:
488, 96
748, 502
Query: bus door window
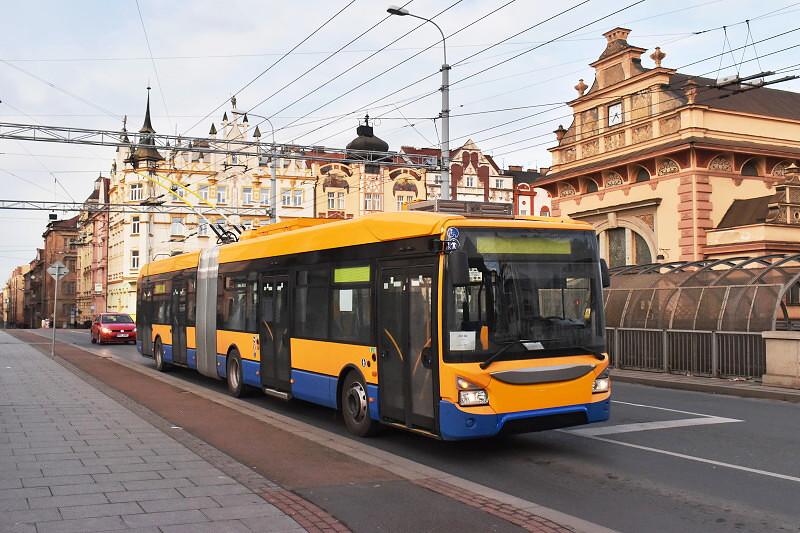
266, 325
421, 349
281, 326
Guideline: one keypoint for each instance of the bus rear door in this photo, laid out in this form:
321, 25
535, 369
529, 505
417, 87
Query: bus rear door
407, 366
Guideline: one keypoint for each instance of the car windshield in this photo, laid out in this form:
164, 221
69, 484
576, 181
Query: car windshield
538, 286
116, 319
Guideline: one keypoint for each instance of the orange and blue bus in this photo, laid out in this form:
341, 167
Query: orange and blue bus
449, 326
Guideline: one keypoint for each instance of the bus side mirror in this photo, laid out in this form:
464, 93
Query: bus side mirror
458, 268
605, 276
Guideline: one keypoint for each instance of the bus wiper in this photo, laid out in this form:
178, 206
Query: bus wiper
597, 355
500, 351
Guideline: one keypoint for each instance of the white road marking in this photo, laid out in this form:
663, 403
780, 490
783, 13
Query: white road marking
660, 408
593, 434
696, 459
647, 426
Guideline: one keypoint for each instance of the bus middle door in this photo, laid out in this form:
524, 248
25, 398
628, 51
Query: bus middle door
273, 332
179, 321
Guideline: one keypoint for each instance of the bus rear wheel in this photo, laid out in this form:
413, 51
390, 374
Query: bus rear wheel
236, 384
355, 407
158, 356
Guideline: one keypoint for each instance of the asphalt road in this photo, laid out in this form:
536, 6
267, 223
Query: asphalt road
667, 461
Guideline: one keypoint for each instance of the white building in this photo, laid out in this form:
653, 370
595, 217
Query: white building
201, 182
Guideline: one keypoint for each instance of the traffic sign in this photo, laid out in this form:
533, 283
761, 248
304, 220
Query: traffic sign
57, 270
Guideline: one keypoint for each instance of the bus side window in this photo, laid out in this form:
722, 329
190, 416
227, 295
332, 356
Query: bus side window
312, 303
351, 304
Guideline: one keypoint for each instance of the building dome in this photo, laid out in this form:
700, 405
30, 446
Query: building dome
366, 139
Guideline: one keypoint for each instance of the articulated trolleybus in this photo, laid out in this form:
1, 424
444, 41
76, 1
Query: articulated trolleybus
449, 326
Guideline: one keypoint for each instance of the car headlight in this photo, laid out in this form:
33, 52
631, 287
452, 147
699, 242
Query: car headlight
470, 394
105, 330
602, 383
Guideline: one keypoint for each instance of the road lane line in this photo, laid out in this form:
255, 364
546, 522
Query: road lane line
693, 458
661, 408
648, 426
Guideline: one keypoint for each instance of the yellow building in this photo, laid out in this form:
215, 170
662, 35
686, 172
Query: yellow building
349, 190
655, 158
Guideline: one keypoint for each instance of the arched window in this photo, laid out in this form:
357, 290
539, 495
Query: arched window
641, 252
642, 175
545, 212
750, 168
591, 186
625, 246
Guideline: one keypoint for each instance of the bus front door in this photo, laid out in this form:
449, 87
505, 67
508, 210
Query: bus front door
179, 321
406, 346
273, 332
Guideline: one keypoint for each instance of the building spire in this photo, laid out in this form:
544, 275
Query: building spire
147, 127
146, 149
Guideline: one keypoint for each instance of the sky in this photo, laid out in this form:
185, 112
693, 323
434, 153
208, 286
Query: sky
87, 64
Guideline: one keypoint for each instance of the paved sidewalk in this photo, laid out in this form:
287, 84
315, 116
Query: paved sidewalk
733, 387
74, 460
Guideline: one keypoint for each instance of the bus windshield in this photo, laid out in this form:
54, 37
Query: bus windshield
532, 293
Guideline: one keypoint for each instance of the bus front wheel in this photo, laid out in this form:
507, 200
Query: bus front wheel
235, 383
355, 407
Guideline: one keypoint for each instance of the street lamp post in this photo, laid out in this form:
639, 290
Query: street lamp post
273, 170
445, 113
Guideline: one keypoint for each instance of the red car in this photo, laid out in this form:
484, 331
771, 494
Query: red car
113, 327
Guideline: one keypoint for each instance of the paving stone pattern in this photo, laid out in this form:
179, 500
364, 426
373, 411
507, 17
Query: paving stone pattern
74, 460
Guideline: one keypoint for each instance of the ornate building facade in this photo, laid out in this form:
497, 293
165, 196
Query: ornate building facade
654, 158
360, 188
92, 244
204, 186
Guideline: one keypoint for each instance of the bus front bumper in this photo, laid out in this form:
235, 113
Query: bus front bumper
455, 424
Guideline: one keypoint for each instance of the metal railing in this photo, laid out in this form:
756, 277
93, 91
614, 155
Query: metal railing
691, 352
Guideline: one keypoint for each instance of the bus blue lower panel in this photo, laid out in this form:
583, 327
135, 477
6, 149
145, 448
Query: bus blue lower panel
191, 358
251, 373
456, 424
222, 370
372, 394
321, 389
167, 353
315, 388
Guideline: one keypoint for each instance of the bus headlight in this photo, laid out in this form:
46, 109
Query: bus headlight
469, 394
471, 398
602, 383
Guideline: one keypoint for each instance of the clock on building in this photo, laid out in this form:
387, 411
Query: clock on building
615, 114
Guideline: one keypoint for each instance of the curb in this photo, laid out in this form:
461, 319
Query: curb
744, 391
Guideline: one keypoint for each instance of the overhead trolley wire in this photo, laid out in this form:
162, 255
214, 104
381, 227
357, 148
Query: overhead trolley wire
420, 80
369, 80
309, 70
276, 62
152, 61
